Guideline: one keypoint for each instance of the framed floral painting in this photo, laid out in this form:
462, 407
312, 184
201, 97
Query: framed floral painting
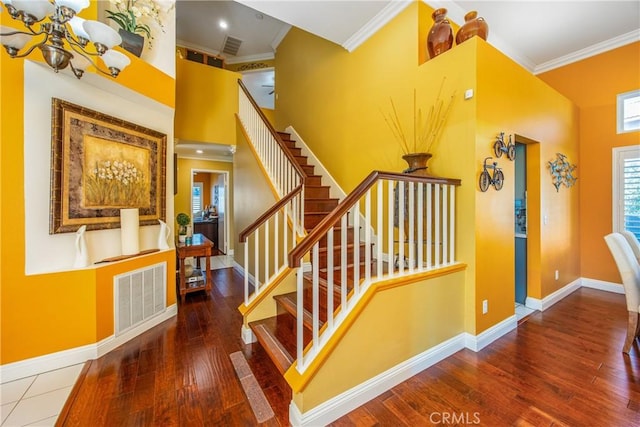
101, 164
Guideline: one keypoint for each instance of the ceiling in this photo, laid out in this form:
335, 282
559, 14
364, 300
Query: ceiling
539, 35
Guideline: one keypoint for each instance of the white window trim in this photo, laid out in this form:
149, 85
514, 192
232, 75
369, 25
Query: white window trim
619, 154
620, 107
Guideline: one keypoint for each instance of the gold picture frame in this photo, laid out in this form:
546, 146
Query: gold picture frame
101, 164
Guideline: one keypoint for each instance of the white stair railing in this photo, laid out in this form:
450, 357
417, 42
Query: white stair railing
268, 240
347, 252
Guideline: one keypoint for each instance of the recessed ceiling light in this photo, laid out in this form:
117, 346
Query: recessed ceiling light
199, 151
223, 24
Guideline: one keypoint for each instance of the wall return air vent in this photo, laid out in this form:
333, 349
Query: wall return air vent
231, 45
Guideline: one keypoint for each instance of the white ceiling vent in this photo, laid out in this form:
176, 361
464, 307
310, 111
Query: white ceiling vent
231, 45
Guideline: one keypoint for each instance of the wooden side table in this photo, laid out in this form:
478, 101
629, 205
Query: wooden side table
200, 247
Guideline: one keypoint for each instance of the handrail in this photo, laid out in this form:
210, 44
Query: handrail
296, 255
273, 132
272, 210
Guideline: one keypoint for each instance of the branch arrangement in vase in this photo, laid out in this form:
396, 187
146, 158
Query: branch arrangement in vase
427, 128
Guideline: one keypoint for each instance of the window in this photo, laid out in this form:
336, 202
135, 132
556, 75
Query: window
626, 189
629, 111
196, 198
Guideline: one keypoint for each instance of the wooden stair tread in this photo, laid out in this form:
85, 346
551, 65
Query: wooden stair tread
280, 355
289, 304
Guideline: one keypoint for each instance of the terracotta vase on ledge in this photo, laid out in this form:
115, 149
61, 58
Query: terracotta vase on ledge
473, 26
440, 37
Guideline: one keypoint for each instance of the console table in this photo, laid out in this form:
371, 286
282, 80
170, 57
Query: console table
200, 247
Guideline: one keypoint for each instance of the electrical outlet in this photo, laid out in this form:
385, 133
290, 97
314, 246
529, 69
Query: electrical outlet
485, 306
557, 274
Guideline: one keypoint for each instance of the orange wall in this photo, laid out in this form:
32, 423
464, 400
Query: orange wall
513, 101
593, 84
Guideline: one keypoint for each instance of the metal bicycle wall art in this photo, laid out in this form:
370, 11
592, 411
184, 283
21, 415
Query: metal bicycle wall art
486, 179
562, 171
500, 147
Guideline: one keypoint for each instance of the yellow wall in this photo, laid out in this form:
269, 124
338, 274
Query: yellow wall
593, 86
182, 200
254, 194
206, 103
415, 308
340, 119
45, 313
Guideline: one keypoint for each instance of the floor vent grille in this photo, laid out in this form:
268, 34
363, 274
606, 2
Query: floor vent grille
139, 295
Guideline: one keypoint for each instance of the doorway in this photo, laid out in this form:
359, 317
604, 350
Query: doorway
209, 206
520, 211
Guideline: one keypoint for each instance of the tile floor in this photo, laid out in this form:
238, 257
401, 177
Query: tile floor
36, 400
523, 311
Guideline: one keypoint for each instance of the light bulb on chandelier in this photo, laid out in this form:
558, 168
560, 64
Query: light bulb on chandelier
65, 36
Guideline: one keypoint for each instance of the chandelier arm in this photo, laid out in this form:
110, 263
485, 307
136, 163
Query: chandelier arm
22, 55
78, 48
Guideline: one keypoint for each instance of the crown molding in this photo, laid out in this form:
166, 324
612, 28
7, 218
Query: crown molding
251, 58
280, 36
193, 46
389, 12
596, 49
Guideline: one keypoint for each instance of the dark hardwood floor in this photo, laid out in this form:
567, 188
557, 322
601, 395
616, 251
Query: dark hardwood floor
560, 367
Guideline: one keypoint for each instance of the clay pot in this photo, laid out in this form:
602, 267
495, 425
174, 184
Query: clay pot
440, 37
473, 26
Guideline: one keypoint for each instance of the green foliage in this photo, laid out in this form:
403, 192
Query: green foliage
183, 219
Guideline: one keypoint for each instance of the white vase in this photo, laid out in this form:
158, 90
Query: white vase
163, 235
82, 255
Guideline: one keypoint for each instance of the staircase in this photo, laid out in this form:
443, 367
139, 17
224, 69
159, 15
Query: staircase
330, 244
278, 334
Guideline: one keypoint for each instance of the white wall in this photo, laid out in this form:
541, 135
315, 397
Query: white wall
47, 253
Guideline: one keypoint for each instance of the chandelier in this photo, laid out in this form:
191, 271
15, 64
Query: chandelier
64, 37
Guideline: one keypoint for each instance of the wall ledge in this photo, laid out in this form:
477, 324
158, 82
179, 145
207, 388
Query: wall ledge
73, 356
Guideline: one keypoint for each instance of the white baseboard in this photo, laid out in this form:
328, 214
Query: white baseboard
109, 343
73, 356
478, 342
247, 335
240, 269
549, 300
602, 285
346, 402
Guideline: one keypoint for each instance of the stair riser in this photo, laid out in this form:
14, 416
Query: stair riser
308, 169
337, 256
285, 136
315, 180
312, 219
337, 236
316, 192
320, 205
289, 144
302, 160
297, 152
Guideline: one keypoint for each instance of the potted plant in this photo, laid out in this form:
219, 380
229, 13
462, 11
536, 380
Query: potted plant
129, 15
183, 220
